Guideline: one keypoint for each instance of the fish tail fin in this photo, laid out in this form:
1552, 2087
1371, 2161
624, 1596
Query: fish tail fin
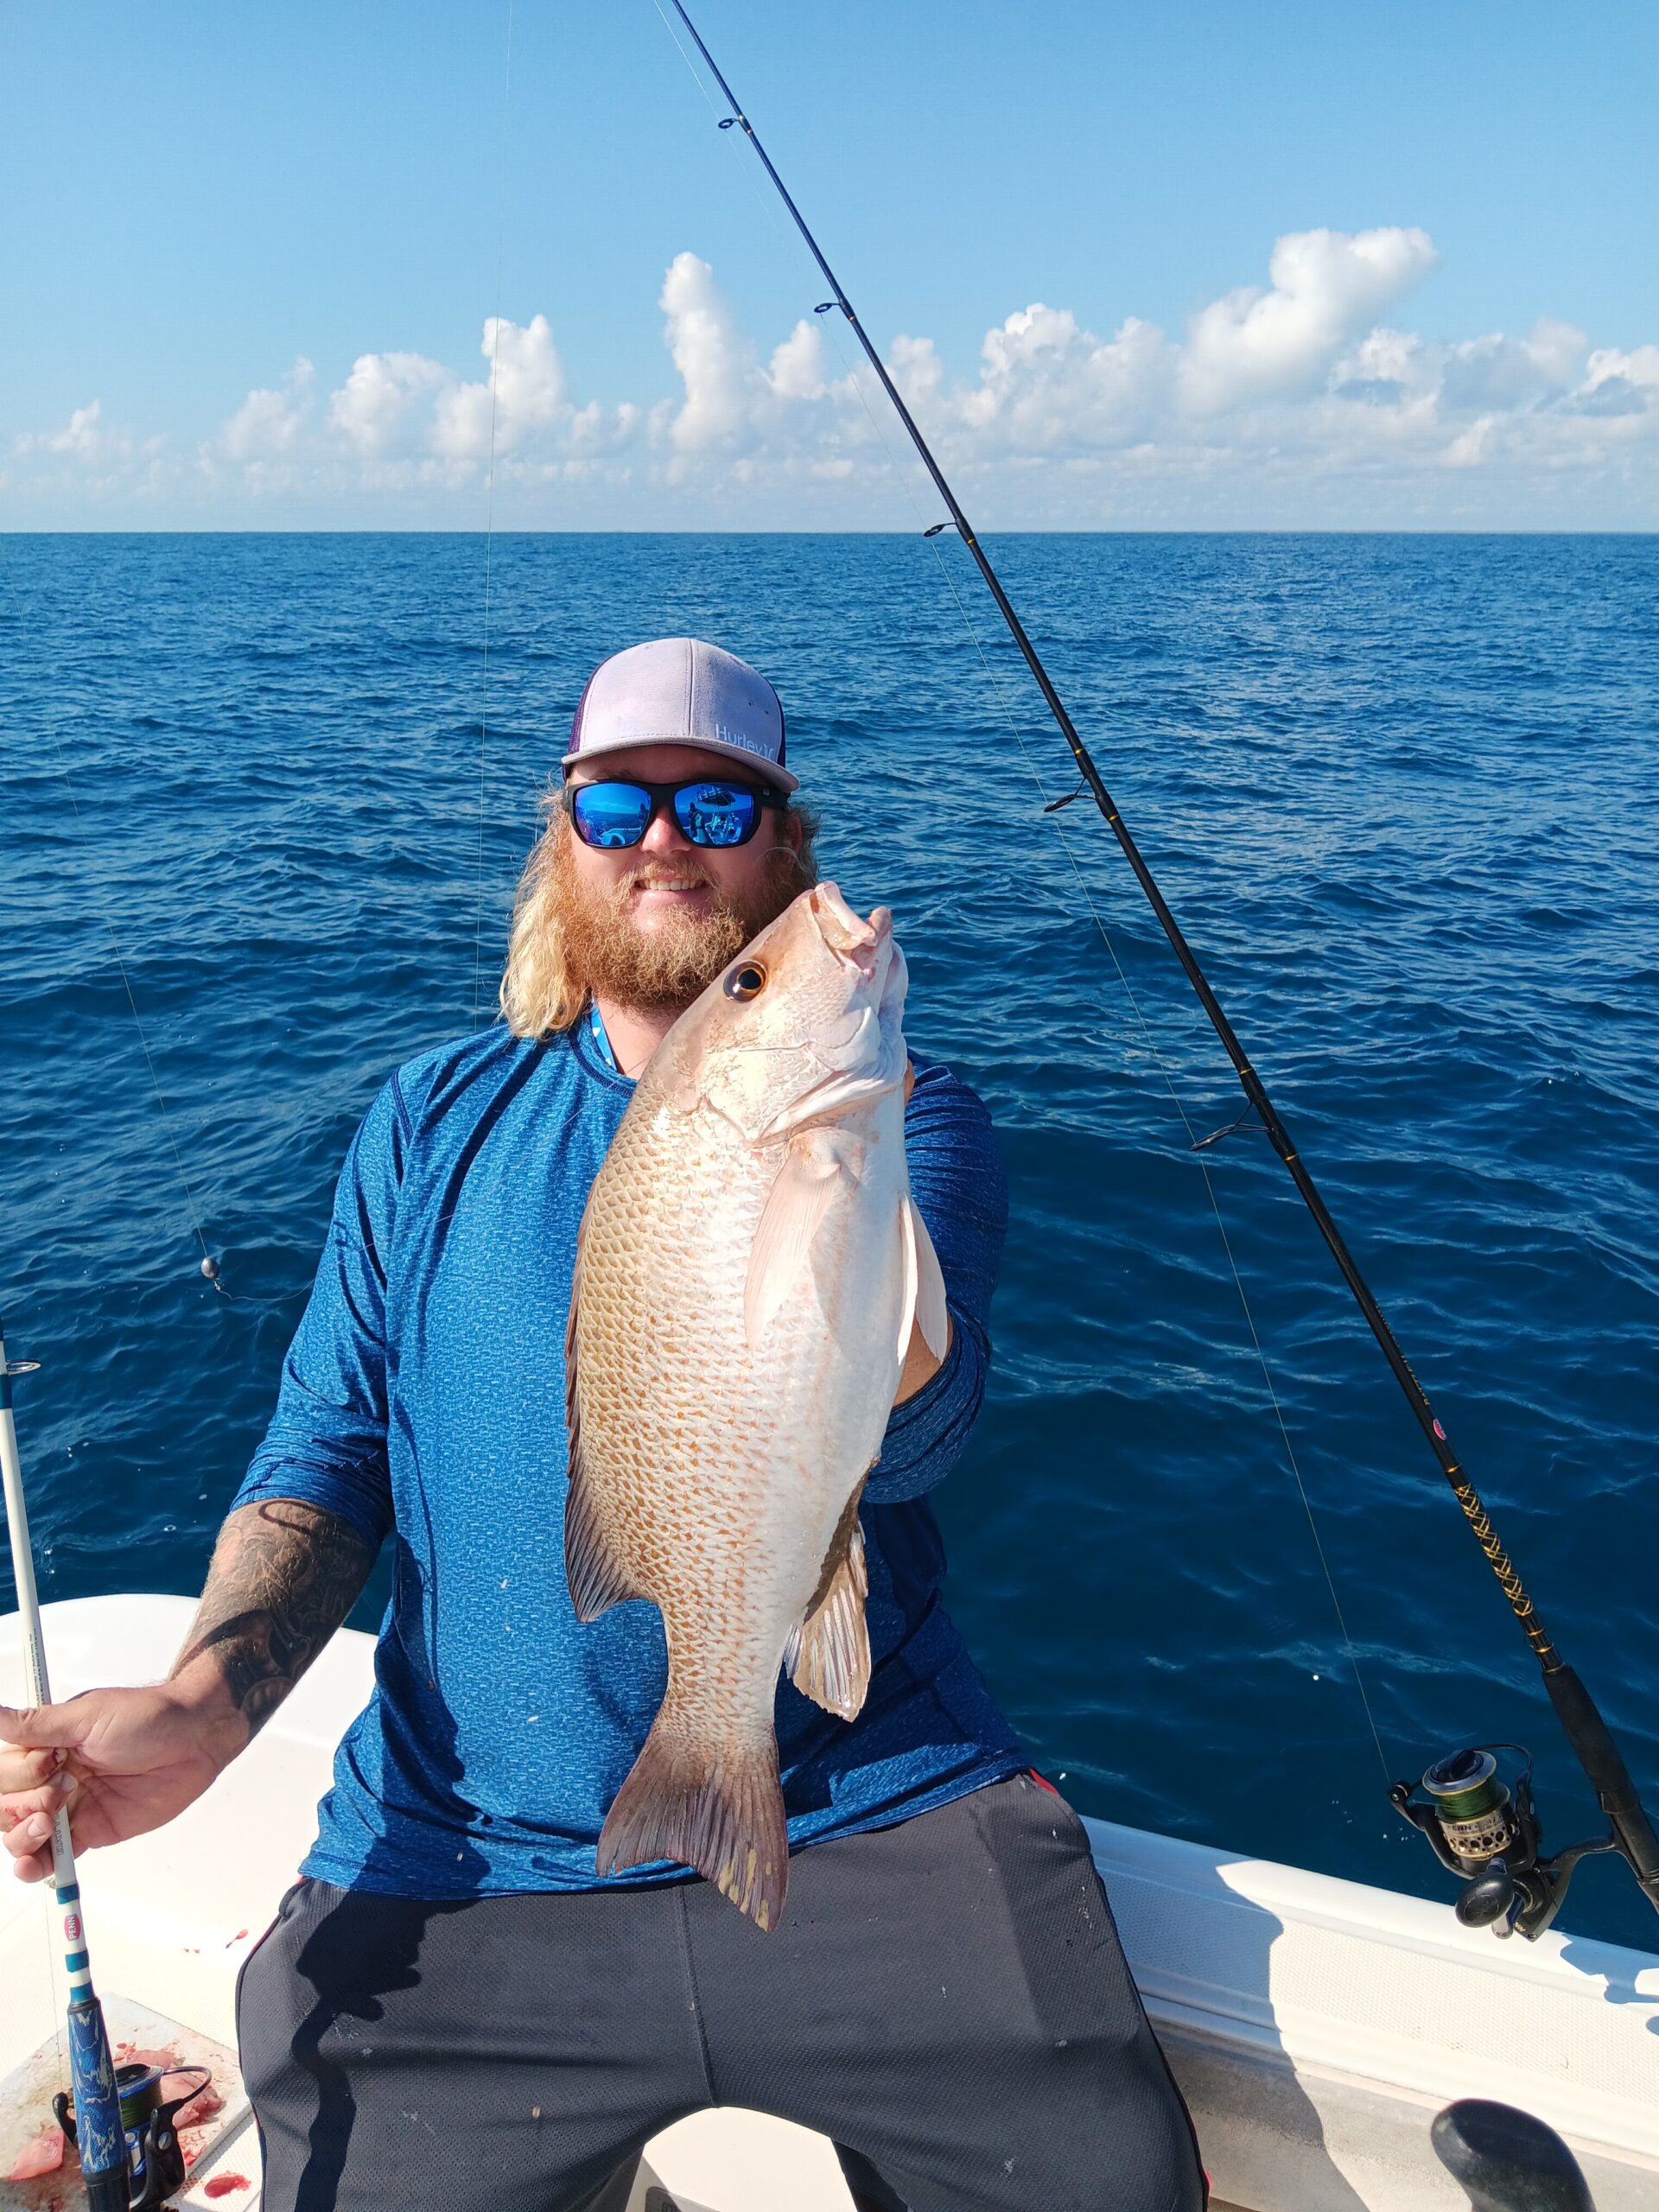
716, 1807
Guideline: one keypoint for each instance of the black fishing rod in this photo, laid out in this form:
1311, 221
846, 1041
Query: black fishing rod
1478, 1827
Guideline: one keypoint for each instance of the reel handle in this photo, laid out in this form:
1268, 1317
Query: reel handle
1507, 2161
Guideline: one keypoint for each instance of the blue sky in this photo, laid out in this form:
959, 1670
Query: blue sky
1302, 266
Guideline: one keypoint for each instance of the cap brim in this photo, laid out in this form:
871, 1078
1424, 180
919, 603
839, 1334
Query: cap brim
769, 771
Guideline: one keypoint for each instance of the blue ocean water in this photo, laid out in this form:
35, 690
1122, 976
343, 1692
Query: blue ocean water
1399, 791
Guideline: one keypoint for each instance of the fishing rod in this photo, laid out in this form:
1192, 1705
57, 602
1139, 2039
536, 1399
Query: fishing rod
1479, 1828
120, 2125
99, 2136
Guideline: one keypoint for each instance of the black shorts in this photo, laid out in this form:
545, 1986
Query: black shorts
946, 2000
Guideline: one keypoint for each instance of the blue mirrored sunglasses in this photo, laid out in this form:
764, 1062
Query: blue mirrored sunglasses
708, 812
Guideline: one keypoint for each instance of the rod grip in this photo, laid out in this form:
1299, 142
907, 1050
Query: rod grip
1587, 1732
99, 2137
111, 2191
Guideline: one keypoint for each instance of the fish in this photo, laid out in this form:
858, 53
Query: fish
748, 1268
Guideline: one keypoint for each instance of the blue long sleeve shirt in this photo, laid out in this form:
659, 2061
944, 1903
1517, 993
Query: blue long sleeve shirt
423, 1398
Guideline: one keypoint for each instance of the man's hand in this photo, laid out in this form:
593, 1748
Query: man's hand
284, 1576
123, 1762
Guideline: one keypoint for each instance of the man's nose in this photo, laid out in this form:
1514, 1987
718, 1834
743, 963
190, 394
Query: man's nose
664, 835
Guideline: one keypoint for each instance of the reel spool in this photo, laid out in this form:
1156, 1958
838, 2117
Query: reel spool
1487, 1833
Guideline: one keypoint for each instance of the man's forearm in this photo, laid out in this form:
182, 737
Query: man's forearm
284, 1576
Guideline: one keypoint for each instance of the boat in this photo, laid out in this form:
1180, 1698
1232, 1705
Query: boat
1316, 2027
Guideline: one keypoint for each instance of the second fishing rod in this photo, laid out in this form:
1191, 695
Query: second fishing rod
1633, 1834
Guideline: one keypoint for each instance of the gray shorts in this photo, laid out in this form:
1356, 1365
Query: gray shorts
946, 2000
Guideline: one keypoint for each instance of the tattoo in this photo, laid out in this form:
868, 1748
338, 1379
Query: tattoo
284, 1576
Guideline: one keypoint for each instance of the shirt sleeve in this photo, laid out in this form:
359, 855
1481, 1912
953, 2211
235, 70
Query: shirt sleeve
326, 1442
957, 1180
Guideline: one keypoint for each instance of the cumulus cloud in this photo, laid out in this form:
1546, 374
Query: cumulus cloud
268, 423
523, 393
1312, 379
374, 407
1046, 386
1327, 289
82, 437
715, 360
1621, 384
86, 456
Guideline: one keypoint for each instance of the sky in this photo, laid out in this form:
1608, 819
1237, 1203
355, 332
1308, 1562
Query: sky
1214, 263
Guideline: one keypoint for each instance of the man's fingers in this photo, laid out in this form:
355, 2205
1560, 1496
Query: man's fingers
35, 1869
28, 1770
28, 1838
43, 1726
17, 1804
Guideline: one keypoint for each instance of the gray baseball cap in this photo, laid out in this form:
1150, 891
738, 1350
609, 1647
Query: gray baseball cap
681, 691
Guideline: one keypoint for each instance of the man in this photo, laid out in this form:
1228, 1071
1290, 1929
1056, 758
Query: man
452, 2008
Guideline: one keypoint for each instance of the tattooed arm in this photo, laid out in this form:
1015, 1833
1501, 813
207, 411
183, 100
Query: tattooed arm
284, 1576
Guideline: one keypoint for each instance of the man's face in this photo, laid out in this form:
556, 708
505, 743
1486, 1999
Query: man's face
666, 880
650, 925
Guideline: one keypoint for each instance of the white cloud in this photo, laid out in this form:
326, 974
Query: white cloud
1327, 288
1307, 390
81, 438
374, 407
1621, 384
715, 360
1047, 384
797, 369
523, 393
267, 424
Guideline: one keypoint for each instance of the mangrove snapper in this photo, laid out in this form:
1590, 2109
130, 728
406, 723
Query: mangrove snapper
747, 1272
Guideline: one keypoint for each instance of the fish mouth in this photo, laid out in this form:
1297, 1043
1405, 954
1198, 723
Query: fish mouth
857, 945
867, 1058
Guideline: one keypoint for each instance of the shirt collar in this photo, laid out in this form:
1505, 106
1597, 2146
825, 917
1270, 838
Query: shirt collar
601, 1042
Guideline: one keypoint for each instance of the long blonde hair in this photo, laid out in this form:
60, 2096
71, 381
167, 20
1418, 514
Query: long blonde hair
540, 991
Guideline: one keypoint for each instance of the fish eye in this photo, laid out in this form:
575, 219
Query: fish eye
746, 982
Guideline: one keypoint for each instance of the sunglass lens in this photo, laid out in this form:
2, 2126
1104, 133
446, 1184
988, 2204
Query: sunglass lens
715, 814
610, 815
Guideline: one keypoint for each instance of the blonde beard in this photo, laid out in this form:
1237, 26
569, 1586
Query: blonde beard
661, 969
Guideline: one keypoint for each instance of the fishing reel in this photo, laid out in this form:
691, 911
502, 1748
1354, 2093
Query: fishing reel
155, 2155
1488, 1835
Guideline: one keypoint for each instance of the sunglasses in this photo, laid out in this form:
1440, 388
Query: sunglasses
613, 816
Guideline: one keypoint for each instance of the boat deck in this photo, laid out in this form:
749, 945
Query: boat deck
1315, 2025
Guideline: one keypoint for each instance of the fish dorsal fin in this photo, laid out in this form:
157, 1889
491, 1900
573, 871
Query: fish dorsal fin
597, 1582
807, 1182
923, 1301
828, 1656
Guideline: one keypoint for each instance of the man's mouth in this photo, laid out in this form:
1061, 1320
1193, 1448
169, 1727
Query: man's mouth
671, 886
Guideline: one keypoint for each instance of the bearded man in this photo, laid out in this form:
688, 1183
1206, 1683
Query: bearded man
945, 1996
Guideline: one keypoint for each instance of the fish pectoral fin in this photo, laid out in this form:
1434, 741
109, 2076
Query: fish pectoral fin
923, 1301
807, 1182
713, 1806
828, 1655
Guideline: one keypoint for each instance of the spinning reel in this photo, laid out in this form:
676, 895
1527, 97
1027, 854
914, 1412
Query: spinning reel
155, 2156
1487, 1833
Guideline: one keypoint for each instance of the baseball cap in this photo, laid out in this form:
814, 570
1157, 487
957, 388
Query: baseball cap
681, 691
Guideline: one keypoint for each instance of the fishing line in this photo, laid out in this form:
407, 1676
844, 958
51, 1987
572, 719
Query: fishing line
489, 513
850, 372
1349, 1648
